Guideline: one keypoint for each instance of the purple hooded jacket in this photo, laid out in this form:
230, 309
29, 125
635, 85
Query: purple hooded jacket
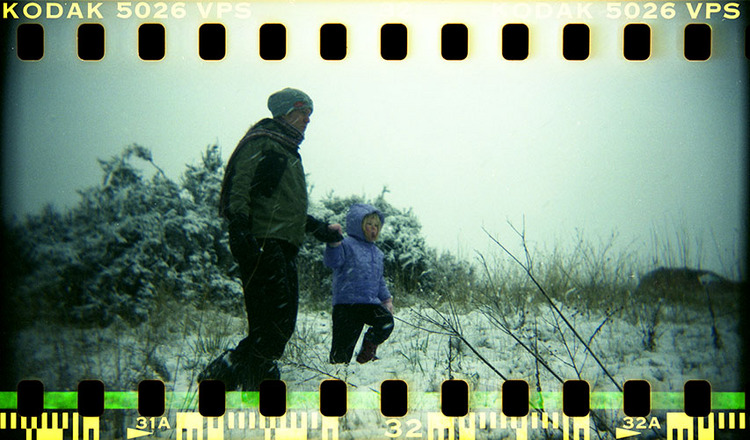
357, 264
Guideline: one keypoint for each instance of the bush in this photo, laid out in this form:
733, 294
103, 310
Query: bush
127, 239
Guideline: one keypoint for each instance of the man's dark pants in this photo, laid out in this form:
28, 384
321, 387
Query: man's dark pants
348, 320
271, 300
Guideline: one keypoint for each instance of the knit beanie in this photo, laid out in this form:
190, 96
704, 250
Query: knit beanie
285, 101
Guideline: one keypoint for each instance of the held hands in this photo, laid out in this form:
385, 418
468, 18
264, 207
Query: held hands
336, 228
323, 232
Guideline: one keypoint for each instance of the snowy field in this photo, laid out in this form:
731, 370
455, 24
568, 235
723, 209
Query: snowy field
424, 350
137, 282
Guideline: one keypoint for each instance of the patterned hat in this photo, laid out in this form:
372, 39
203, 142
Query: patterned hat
285, 101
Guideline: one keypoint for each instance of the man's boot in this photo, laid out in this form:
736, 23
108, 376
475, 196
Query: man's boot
221, 369
367, 352
253, 376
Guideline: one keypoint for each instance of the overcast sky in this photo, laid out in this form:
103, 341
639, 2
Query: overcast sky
596, 146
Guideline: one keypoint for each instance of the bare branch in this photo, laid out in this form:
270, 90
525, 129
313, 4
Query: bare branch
554, 307
453, 329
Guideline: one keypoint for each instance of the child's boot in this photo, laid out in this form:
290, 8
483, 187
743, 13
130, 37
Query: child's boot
367, 352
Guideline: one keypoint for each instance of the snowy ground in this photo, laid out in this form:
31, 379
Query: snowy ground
418, 352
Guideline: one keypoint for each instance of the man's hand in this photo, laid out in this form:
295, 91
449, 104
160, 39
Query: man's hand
242, 244
336, 228
323, 232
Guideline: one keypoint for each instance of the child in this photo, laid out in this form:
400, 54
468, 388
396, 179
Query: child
360, 295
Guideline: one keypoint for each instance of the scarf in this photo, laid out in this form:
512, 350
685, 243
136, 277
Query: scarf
277, 129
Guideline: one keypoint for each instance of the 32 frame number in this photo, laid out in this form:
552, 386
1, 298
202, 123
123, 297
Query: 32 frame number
395, 429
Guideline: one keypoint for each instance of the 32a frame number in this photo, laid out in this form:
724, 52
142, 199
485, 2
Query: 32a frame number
641, 423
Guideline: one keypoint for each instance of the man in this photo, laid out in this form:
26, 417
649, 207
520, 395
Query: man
264, 200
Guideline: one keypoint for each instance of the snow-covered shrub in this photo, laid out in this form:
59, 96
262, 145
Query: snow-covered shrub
127, 239
407, 256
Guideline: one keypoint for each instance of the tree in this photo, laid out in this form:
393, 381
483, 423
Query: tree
130, 240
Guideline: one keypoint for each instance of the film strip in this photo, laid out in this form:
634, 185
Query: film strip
604, 115
453, 39
319, 413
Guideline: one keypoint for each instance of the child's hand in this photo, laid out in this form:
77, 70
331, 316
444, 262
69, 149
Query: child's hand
337, 228
388, 304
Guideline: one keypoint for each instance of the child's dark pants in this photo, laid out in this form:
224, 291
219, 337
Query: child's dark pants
348, 320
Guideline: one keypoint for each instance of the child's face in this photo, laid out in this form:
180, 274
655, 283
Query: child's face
371, 228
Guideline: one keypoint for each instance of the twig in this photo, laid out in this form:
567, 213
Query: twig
714, 331
318, 370
451, 330
539, 360
523, 344
571, 355
606, 318
527, 269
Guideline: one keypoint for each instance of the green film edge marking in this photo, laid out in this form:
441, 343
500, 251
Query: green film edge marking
62, 400
121, 400
728, 400
370, 400
8, 400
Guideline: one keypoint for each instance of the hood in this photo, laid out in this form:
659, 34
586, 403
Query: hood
357, 212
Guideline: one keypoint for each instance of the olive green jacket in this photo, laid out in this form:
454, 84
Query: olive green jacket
264, 187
